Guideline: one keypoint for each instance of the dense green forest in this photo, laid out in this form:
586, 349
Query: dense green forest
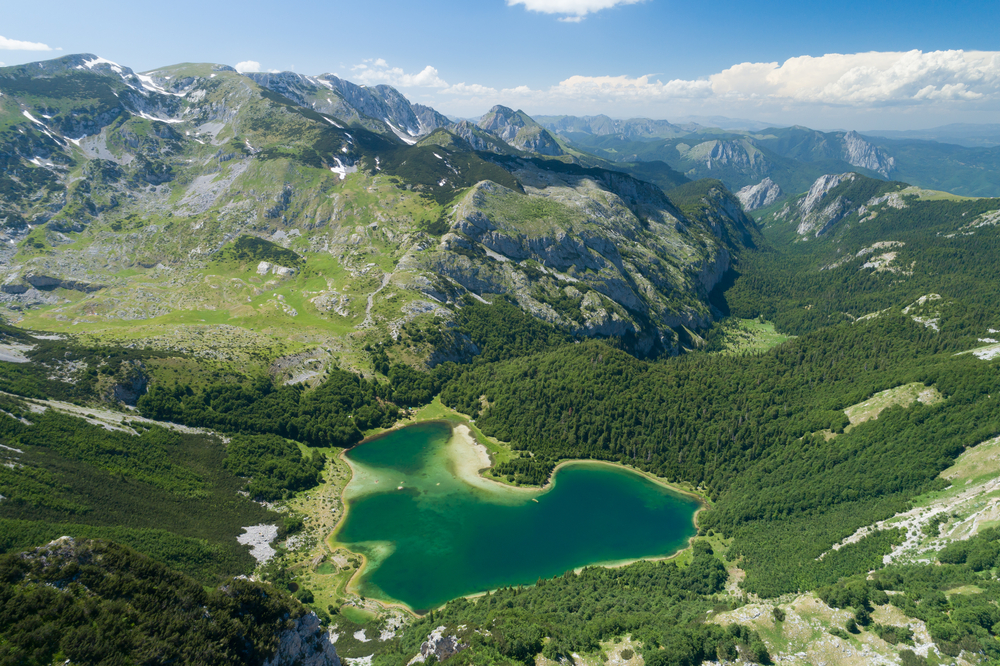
658, 603
332, 415
938, 249
96, 602
169, 495
748, 432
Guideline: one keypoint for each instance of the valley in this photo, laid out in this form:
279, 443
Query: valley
466, 384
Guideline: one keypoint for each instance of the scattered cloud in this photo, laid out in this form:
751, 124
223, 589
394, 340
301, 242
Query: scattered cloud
375, 71
473, 89
867, 87
860, 80
18, 45
252, 67
572, 11
617, 87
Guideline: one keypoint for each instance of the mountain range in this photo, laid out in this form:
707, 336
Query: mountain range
793, 157
214, 282
105, 167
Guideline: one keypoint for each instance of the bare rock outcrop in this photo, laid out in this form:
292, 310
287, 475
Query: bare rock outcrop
818, 213
761, 195
861, 153
438, 645
305, 644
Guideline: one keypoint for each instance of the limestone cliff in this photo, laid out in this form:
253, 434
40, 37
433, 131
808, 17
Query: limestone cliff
761, 195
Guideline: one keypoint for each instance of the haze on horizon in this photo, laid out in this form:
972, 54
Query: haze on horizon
856, 65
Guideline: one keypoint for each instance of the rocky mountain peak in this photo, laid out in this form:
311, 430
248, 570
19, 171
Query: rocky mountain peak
860, 153
519, 130
820, 188
503, 122
763, 194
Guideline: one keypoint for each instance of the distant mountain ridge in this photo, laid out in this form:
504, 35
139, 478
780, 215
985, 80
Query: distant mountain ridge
793, 157
969, 135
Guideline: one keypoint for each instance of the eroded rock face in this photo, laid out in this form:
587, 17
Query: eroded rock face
817, 213
306, 644
600, 255
761, 195
860, 153
130, 383
438, 645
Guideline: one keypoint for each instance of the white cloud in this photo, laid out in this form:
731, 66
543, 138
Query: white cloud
17, 45
861, 79
617, 87
890, 89
470, 89
372, 72
247, 66
573, 10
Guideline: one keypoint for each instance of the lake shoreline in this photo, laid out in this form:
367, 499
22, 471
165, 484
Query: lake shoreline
471, 458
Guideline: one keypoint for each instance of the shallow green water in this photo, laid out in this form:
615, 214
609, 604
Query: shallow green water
442, 537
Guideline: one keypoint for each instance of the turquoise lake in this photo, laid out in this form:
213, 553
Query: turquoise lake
433, 530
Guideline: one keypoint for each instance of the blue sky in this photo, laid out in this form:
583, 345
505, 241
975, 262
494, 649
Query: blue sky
863, 65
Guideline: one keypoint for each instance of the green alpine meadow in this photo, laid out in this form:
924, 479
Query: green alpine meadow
300, 370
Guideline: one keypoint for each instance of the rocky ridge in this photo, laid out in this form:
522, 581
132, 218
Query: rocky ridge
141, 207
603, 261
306, 644
833, 198
761, 195
861, 153
602, 125
520, 131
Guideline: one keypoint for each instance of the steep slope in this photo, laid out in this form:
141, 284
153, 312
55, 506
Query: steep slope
157, 193
834, 198
92, 601
519, 130
972, 172
480, 139
806, 145
380, 108
595, 251
738, 160
968, 171
761, 195
853, 247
